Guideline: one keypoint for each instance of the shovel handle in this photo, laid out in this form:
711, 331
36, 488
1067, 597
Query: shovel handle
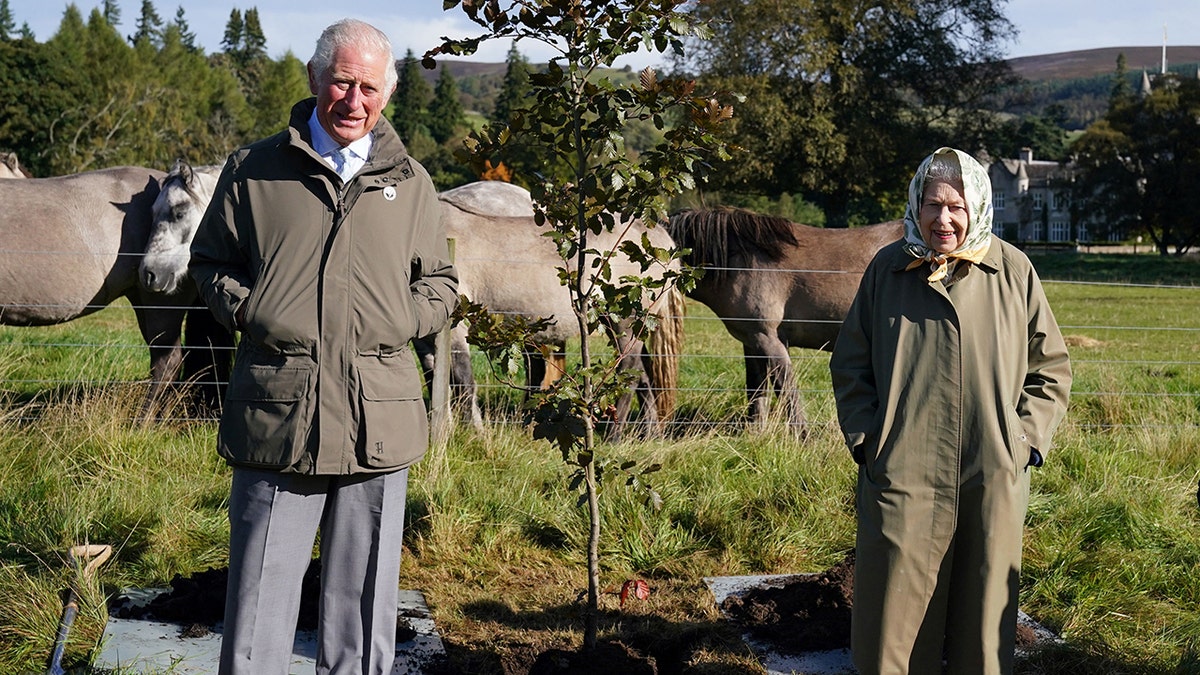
96, 554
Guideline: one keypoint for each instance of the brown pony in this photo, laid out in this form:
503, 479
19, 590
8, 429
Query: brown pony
776, 284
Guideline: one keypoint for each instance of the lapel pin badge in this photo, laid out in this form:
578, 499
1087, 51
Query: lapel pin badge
389, 193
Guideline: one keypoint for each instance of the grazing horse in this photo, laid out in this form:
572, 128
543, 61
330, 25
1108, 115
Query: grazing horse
776, 284
71, 245
10, 167
506, 264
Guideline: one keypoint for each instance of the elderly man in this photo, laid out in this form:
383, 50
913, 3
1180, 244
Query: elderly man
323, 246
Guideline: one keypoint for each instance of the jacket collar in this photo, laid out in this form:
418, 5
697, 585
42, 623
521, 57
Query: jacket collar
387, 150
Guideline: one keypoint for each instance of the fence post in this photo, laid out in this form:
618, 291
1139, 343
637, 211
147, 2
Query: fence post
439, 390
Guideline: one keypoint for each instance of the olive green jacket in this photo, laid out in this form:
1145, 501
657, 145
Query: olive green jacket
335, 280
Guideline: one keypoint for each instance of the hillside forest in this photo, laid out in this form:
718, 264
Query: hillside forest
834, 150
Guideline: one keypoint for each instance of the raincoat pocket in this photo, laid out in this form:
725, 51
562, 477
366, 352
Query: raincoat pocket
395, 425
265, 423
1018, 441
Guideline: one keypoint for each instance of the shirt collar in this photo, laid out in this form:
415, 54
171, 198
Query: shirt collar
325, 146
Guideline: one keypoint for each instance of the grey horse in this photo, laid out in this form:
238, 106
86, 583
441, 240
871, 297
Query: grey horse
508, 266
71, 245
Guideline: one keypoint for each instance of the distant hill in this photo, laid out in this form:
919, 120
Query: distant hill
1079, 81
1091, 62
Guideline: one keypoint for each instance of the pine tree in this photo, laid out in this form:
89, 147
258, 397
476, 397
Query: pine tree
112, 12
7, 25
515, 89
186, 37
232, 42
446, 111
1122, 89
149, 27
411, 100
254, 43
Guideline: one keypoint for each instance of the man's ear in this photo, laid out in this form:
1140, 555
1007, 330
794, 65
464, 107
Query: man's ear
312, 80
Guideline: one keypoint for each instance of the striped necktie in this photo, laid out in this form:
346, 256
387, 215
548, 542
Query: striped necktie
341, 163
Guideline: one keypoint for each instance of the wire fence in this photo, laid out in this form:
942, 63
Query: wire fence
712, 386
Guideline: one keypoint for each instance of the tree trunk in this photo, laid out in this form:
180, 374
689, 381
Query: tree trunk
592, 618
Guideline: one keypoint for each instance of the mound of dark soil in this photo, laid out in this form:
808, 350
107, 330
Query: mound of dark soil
808, 614
812, 612
200, 600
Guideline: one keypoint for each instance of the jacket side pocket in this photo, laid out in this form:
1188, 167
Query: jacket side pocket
395, 424
264, 424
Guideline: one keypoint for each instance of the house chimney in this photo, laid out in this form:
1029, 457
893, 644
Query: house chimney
1026, 155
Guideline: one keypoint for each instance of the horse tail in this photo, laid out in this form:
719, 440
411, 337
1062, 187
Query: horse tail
665, 345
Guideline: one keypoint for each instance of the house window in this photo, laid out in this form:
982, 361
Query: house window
1060, 230
1036, 233
1037, 200
998, 200
1081, 233
1060, 201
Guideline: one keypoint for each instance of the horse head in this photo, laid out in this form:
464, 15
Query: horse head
182, 198
10, 167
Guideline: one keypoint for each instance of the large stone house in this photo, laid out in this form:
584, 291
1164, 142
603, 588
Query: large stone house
1031, 201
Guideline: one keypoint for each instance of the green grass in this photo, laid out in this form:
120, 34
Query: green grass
495, 540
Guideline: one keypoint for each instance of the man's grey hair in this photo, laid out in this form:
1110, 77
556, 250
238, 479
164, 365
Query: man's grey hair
352, 32
944, 167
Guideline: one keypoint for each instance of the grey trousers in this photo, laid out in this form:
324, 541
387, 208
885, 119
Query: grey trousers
273, 522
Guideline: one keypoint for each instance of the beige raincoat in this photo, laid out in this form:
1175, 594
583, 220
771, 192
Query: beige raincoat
942, 391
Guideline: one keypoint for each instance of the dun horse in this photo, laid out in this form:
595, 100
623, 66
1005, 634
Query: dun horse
506, 265
776, 284
71, 245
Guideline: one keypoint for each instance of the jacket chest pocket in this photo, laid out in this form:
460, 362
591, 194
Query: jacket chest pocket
395, 425
265, 423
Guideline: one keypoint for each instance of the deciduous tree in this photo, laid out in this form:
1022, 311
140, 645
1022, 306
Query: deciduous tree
1140, 165
844, 97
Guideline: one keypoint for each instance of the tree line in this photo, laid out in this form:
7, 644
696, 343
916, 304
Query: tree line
88, 97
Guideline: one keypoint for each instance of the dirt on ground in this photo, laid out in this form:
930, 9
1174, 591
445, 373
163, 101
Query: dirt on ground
811, 613
808, 613
805, 613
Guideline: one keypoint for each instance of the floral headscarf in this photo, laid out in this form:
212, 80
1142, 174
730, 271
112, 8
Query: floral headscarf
977, 191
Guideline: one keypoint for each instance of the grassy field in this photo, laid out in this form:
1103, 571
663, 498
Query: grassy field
494, 539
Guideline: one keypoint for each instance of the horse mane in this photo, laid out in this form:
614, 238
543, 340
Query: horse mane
714, 236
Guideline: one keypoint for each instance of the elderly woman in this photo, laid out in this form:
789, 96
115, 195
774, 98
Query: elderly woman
950, 376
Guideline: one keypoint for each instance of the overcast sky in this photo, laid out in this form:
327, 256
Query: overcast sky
1046, 26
